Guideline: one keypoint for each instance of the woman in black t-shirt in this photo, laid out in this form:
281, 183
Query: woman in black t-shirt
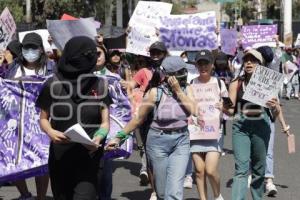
74, 95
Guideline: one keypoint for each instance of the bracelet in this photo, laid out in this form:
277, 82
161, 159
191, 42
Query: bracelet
102, 132
122, 135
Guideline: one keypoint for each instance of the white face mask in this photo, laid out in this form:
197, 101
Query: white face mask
31, 55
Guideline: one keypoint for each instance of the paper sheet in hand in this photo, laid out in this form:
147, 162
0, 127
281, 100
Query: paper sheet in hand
291, 143
77, 134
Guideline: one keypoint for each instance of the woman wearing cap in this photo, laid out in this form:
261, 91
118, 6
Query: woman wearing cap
168, 106
8, 56
206, 153
31, 61
73, 167
250, 133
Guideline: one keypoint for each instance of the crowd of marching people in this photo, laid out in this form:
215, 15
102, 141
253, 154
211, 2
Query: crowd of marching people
160, 90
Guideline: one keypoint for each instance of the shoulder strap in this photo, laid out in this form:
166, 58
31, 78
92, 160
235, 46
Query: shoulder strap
219, 83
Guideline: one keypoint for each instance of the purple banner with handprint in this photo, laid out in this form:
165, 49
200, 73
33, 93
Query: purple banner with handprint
258, 34
24, 146
120, 114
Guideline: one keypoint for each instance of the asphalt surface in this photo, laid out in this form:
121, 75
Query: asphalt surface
286, 169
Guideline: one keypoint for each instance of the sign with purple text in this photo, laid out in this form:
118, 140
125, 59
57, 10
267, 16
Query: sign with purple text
207, 125
24, 146
263, 85
259, 34
191, 32
7, 28
228, 41
143, 24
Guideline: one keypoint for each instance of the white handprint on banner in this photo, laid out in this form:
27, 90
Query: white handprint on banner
30, 108
10, 163
8, 101
10, 147
11, 127
34, 126
32, 154
27, 138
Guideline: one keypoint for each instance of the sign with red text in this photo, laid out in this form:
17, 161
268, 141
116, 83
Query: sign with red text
206, 126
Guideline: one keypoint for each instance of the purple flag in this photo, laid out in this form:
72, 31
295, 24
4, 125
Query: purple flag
24, 146
258, 34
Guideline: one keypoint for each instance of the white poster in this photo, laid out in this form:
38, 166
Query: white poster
143, 24
263, 86
43, 33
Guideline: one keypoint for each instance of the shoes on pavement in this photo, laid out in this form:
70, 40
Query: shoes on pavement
144, 180
219, 197
153, 196
188, 182
26, 197
271, 189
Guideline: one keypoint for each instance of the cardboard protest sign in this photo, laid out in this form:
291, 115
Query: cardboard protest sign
189, 32
263, 86
228, 41
288, 39
259, 34
43, 33
62, 31
207, 125
7, 28
143, 23
292, 69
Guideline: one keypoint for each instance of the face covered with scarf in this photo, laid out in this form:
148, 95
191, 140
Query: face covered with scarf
77, 65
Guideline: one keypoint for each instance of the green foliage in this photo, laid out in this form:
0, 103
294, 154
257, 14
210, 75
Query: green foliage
15, 7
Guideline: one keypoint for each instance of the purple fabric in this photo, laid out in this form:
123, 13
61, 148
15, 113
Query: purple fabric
120, 114
258, 34
23, 146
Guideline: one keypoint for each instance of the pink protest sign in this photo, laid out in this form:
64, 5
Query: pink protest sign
228, 41
207, 125
258, 34
7, 28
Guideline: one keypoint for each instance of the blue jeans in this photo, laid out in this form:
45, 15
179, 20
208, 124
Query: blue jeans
189, 168
168, 153
269, 173
250, 140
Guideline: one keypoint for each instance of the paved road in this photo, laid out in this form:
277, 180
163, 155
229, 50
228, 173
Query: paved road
287, 169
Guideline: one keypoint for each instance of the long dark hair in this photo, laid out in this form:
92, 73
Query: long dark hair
42, 61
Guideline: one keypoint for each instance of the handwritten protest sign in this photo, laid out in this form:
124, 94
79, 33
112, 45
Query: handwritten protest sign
207, 125
263, 86
42, 32
7, 28
228, 41
143, 25
62, 31
189, 32
258, 34
292, 69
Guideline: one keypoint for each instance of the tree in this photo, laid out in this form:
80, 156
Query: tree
15, 7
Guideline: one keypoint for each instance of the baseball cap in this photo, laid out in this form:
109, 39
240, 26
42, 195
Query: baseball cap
32, 39
158, 45
173, 64
255, 54
204, 55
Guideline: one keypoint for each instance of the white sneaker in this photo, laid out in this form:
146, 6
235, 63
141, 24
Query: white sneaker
153, 196
188, 182
219, 198
271, 189
249, 180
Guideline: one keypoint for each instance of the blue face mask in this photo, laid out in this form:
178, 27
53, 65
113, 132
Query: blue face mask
31, 55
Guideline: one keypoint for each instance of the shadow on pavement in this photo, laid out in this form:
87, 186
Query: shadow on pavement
137, 195
133, 167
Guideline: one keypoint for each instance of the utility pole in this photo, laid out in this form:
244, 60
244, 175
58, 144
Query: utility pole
287, 20
28, 18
